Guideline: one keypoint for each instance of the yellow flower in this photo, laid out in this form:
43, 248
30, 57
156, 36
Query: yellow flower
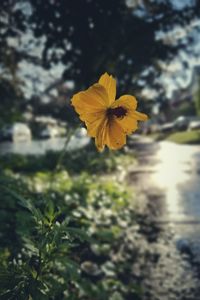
107, 120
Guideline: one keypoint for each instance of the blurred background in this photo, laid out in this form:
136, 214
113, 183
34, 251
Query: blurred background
133, 215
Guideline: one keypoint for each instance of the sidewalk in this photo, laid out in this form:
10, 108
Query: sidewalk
167, 267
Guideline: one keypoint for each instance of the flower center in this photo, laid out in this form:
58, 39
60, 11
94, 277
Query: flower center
119, 112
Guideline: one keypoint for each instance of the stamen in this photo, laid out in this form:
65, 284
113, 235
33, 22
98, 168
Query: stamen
119, 112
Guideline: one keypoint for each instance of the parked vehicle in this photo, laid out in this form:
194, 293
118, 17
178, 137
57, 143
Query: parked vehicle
49, 132
194, 125
183, 122
148, 127
17, 132
167, 127
81, 132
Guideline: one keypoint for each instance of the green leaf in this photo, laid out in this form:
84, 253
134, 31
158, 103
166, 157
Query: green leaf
78, 233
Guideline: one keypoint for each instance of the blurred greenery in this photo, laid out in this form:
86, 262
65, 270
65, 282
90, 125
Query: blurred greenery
11, 104
197, 99
183, 137
186, 137
46, 53
87, 158
62, 230
187, 108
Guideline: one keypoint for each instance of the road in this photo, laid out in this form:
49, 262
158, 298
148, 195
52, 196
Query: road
175, 169
169, 175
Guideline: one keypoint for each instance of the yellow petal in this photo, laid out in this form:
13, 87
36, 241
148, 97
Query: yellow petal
116, 137
93, 124
128, 123
126, 101
139, 116
101, 135
94, 99
90, 117
110, 85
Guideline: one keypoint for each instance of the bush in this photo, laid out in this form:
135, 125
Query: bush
64, 242
86, 159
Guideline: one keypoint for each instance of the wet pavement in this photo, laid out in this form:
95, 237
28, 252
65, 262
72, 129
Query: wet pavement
175, 171
168, 175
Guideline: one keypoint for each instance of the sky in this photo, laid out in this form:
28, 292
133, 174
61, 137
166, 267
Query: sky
179, 72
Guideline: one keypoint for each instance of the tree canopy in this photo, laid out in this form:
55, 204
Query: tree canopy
43, 44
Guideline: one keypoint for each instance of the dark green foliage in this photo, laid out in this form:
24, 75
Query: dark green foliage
197, 99
106, 35
64, 241
11, 103
87, 38
37, 249
74, 162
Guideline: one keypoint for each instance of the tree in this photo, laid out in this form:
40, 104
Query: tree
197, 99
55, 41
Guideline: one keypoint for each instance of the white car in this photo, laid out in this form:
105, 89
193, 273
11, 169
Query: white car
194, 125
49, 132
17, 132
181, 123
186, 122
81, 132
167, 127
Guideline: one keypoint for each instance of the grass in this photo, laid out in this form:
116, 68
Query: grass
185, 137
